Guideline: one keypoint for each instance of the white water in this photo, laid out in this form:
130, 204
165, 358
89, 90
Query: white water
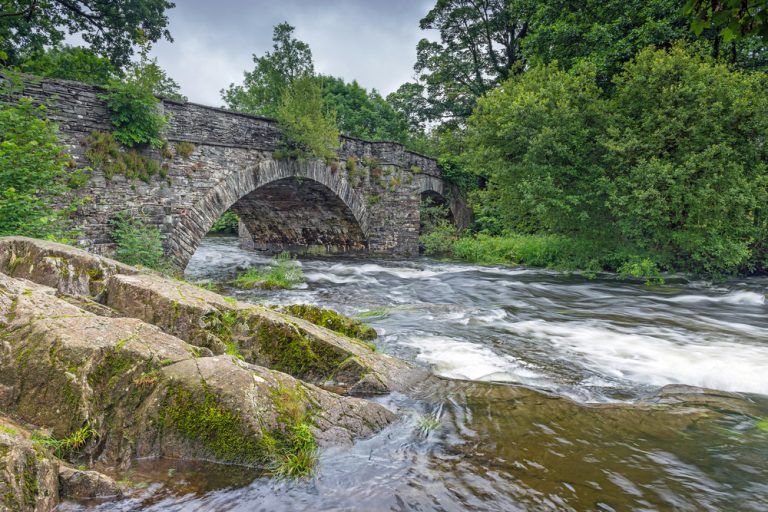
598, 340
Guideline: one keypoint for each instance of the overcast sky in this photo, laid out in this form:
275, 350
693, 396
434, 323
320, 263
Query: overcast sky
373, 41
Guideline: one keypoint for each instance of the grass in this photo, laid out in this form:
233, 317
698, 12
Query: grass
428, 423
282, 273
559, 252
70, 445
372, 313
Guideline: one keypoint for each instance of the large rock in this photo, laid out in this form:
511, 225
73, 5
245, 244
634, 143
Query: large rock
131, 390
28, 473
207, 320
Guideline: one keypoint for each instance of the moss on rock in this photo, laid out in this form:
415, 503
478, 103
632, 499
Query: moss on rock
332, 320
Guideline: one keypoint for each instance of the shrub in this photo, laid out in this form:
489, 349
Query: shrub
227, 223
135, 111
105, 153
138, 243
35, 174
671, 160
184, 149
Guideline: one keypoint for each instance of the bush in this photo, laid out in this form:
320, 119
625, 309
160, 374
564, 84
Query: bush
308, 129
227, 223
138, 243
135, 110
282, 273
35, 174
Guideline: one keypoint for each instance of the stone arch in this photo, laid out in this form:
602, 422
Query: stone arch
460, 211
194, 223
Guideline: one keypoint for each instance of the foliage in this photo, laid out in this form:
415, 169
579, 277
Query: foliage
283, 273
264, 87
111, 29
644, 268
227, 223
672, 162
735, 19
309, 130
534, 137
70, 445
184, 149
35, 174
362, 114
138, 243
135, 110
105, 153
437, 232
480, 46
71, 63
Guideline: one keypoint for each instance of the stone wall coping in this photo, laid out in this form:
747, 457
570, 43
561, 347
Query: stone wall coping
222, 110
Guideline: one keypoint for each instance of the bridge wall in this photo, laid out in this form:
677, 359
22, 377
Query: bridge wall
232, 158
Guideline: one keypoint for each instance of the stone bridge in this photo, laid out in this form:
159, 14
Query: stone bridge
366, 201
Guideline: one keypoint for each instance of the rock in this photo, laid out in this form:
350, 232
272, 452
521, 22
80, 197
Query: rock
76, 484
130, 390
259, 335
67, 269
332, 320
28, 473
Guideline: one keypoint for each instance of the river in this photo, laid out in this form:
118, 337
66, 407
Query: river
538, 410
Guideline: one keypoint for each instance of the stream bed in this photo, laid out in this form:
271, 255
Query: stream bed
539, 409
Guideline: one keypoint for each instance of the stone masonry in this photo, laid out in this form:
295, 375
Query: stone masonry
367, 200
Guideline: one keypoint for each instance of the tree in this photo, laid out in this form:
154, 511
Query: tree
110, 28
605, 33
360, 113
670, 162
735, 19
687, 163
263, 87
479, 47
71, 63
534, 138
309, 130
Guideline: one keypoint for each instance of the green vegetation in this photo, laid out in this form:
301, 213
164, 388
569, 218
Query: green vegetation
71, 63
309, 129
428, 423
293, 449
69, 446
283, 273
670, 164
437, 231
105, 153
35, 172
332, 320
360, 113
184, 149
135, 110
227, 223
205, 420
138, 243
110, 29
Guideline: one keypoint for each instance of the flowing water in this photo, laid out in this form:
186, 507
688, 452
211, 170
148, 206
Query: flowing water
548, 401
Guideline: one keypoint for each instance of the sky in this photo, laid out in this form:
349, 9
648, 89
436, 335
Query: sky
372, 41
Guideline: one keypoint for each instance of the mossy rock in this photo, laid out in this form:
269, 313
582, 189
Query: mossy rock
332, 320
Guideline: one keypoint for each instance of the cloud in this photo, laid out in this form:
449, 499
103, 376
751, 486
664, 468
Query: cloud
371, 41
